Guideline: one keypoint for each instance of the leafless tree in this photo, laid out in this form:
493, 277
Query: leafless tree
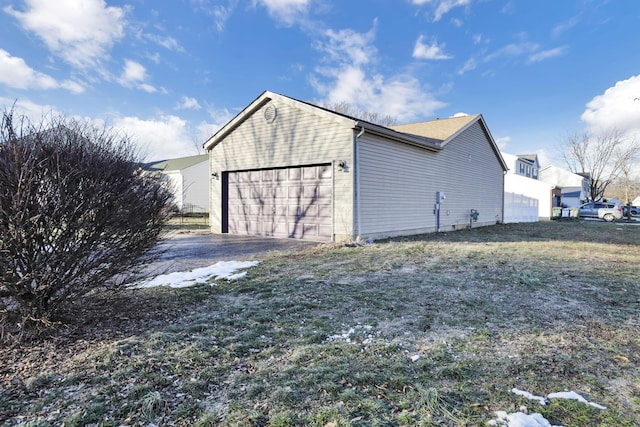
76, 215
351, 110
603, 156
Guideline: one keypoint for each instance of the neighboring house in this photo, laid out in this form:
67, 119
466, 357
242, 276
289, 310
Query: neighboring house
574, 187
188, 180
526, 199
527, 165
287, 168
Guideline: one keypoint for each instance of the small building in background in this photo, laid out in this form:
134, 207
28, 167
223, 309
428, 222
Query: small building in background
188, 180
526, 199
574, 187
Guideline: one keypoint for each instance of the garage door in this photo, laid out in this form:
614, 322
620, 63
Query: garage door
290, 202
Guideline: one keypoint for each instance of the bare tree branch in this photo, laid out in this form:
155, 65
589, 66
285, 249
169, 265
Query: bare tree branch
603, 157
351, 110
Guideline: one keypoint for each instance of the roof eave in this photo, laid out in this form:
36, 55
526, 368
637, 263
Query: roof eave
402, 137
237, 120
260, 101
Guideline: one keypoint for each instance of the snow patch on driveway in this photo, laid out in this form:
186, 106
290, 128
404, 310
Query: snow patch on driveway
181, 279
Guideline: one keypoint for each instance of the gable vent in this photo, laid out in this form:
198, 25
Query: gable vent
270, 113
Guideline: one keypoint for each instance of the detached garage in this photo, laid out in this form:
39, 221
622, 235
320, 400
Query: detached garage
287, 168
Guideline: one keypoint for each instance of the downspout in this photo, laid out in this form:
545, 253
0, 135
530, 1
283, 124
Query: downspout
504, 174
356, 177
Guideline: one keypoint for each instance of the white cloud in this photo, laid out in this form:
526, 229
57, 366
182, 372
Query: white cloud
287, 12
561, 28
503, 142
442, 7
514, 51
155, 57
349, 46
82, 33
34, 112
617, 108
15, 73
169, 136
220, 118
134, 74
147, 88
188, 103
164, 137
469, 65
400, 96
161, 137
546, 54
220, 12
348, 75
167, 42
429, 51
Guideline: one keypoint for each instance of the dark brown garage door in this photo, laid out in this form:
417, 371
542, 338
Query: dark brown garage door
290, 202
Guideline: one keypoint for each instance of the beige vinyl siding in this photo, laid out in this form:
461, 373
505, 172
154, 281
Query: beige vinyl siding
395, 191
295, 138
398, 185
471, 175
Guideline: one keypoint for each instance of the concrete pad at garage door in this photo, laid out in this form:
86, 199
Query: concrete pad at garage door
185, 251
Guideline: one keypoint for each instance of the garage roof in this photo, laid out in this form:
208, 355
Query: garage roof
432, 135
339, 118
176, 164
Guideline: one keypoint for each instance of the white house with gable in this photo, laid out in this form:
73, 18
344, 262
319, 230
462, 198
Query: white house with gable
188, 180
526, 199
574, 187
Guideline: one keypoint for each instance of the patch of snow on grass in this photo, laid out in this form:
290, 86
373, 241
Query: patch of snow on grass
572, 395
527, 395
181, 279
520, 419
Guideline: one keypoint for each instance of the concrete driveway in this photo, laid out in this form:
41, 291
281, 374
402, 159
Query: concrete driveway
184, 251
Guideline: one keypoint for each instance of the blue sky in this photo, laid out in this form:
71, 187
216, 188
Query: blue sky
172, 72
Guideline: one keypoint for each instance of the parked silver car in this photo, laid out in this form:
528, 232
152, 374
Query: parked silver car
603, 210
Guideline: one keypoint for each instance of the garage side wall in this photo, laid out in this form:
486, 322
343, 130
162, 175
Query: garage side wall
398, 185
294, 138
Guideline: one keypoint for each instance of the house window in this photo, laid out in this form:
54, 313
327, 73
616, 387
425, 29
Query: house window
521, 168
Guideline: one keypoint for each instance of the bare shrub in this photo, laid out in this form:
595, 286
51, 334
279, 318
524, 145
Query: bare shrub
76, 214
